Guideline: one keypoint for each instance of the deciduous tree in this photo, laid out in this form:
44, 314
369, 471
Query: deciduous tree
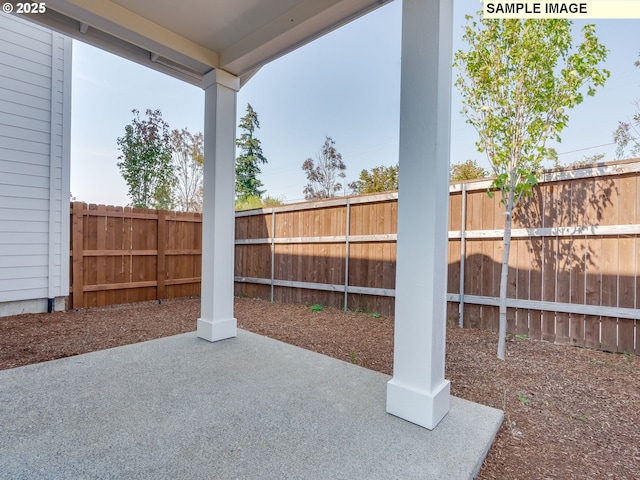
518, 80
627, 135
251, 203
188, 157
379, 179
324, 173
145, 162
468, 170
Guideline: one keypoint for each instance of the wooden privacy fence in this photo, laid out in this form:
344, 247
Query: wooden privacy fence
338, 252
572, 272
573, 269
122, 255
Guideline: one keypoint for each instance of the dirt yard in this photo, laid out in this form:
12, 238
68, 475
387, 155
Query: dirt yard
569, 412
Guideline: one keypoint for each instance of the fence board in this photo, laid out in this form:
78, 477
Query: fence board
522, 286
563, 270
593, 280
489, 316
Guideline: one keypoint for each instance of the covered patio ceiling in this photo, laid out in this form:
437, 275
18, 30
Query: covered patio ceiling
189, 38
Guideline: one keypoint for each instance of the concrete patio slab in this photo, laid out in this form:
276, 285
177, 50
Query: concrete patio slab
244, 408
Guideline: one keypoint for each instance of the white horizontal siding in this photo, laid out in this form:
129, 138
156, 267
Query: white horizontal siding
21, 227
24, 272
18, 193
28, 209
12, 106
35, 99
26, 261
33, 86
16, 289
27, 79
23, 98
32, 43
28, 65
22, 136
25, 146
24, 238
24, 158
28, 123
17, 27
25, 251
17, 167
24, 179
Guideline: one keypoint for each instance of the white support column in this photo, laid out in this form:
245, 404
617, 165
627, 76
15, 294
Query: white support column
218, 220
418, 391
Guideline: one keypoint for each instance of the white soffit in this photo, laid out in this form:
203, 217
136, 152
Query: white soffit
188, 38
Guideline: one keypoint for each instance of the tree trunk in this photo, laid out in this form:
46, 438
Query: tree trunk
502, 335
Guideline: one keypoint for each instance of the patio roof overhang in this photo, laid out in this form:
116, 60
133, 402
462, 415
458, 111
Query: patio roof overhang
189, 38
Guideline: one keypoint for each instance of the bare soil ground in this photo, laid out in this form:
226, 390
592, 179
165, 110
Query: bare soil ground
569, 412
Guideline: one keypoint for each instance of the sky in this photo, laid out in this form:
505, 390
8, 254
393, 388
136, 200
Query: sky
345, 85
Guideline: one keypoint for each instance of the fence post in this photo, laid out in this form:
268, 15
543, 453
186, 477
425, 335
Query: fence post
77, 251
463, 251
273, 248
161, 258
346, 257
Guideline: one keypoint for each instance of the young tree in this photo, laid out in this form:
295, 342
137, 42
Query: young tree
323, 176
468, 170
188, 157
145, 162
518, 79
628, 133
251, 203
250, 158
379, 179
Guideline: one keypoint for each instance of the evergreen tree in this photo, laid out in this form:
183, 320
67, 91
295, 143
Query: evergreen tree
250, 158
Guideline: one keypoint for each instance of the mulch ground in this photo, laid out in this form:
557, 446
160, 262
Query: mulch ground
569, 412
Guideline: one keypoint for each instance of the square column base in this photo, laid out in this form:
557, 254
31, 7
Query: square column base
418, 406
217, 330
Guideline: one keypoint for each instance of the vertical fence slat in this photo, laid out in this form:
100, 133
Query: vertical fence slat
593, 291
609, 297
102, 275
627, 215
346, 257
463, 250
78, 259
161, 243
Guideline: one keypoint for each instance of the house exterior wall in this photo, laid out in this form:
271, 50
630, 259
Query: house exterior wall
35, 111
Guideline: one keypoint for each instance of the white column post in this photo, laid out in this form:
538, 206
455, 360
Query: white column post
418, 391
218, 220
